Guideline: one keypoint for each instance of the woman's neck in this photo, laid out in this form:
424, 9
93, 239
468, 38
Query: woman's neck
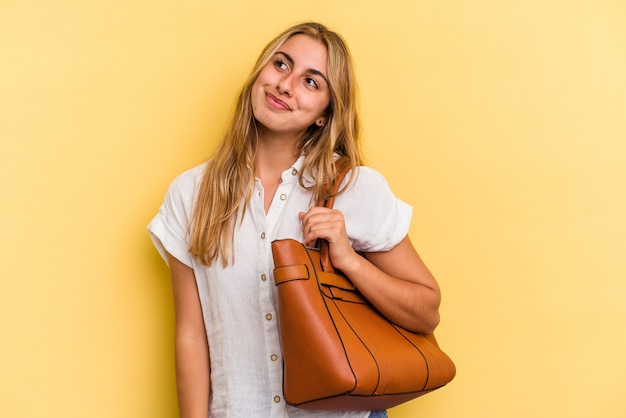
275, 152
270, 162
274, 155
269, 166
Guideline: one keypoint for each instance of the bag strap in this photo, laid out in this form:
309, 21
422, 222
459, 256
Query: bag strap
343, 166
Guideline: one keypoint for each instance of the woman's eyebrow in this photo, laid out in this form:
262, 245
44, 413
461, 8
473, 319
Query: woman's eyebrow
287, 57
309, 70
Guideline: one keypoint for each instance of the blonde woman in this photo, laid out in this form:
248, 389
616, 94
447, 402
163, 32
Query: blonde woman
295, 115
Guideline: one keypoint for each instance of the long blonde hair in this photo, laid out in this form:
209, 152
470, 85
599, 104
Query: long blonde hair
229, 179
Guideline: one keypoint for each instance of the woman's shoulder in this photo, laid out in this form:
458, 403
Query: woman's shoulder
190, 178
184, 187
367, 185
366, 177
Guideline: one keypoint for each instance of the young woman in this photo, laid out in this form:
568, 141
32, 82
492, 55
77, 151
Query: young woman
296, 114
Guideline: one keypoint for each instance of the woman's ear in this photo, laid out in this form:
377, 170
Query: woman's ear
321, 121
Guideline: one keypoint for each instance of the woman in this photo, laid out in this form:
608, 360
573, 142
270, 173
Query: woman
296, 114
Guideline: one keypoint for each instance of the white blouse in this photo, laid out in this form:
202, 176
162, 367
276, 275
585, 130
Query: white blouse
239, 301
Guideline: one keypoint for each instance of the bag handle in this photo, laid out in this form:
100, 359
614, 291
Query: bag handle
343, 168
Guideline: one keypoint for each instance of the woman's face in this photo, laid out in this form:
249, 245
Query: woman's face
291, 92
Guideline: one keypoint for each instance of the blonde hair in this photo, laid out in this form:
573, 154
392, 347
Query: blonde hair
228, 182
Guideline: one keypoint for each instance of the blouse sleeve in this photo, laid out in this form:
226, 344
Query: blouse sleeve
169, 229
376, 220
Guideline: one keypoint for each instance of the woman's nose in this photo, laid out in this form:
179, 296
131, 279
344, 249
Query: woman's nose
284, 85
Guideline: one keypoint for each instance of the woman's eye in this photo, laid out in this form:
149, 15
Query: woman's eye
280, 64
311, 82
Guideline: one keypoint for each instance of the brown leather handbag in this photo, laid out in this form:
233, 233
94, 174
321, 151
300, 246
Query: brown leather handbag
339, 352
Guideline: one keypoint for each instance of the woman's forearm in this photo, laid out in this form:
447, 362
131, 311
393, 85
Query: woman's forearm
192, 376
192, 348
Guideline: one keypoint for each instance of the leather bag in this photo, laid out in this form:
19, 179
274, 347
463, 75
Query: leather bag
339, 352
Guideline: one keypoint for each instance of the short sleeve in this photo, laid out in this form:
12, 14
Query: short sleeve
169, 229
376, 220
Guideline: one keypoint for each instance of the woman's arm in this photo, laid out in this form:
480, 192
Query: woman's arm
400, 285
397, 281
192, 349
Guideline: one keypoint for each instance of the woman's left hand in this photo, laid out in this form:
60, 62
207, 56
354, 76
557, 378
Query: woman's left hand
329, 224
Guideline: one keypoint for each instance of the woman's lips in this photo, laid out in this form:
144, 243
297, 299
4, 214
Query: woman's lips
275, 102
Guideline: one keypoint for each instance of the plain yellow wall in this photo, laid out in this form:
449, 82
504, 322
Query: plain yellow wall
502, 122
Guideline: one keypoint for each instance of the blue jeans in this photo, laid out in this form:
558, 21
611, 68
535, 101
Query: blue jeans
378, 414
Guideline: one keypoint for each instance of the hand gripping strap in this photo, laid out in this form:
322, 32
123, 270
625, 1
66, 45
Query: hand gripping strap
343, 168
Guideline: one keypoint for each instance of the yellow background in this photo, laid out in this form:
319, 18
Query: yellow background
502, 122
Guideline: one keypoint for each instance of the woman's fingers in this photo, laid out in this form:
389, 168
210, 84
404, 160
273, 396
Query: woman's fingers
323, 223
